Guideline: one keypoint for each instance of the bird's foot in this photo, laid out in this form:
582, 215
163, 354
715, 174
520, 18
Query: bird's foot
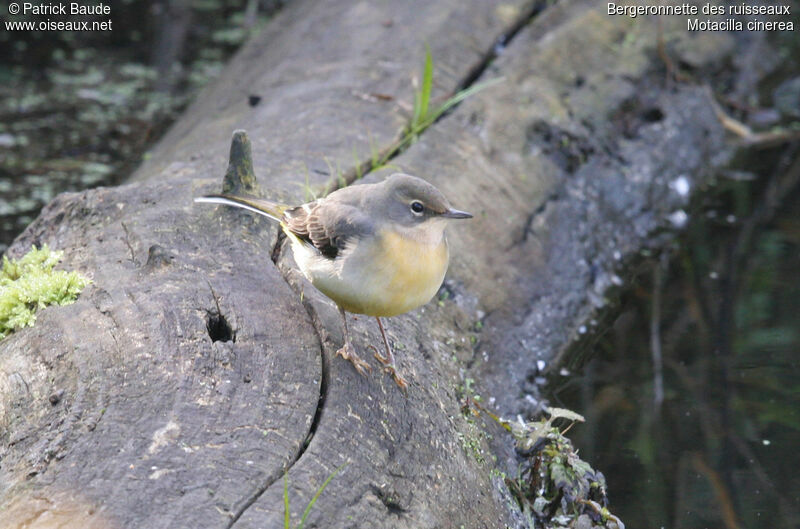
348, 352
391, 368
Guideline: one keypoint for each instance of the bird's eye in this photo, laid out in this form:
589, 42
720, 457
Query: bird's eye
417, 207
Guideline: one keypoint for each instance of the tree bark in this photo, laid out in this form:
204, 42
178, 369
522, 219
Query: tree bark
199, 367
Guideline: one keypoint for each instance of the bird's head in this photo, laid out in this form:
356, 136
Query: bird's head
412, 202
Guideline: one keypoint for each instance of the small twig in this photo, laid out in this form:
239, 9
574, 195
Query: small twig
750, 138
216, 298
128, 242
728, 123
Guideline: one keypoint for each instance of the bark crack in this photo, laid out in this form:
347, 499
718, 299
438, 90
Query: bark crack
323, 388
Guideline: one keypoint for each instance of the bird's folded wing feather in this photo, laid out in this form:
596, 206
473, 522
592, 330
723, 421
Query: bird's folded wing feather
328, 226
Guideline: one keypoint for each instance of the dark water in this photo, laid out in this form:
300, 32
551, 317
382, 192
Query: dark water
80, 109
714, 439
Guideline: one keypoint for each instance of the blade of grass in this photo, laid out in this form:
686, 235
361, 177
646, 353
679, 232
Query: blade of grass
419, 126
422, 97
286, 501
427, 83
317, 495
462, 95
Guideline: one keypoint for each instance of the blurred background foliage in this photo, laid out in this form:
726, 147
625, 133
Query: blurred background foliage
79, 109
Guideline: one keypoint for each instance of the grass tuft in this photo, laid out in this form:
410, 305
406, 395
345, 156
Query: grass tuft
424, 114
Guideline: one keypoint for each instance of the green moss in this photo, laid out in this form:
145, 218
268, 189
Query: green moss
472, 445
30, 284
473, 438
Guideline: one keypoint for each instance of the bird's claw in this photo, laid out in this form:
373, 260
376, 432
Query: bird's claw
348, 352
390, 368
379, 357
400, 381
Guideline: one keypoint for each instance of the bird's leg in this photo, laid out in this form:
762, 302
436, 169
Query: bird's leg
388, 360
348, 352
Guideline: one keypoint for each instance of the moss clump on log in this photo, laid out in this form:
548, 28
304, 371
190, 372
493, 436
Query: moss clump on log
30, 284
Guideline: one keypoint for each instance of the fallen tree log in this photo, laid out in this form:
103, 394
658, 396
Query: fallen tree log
197, 369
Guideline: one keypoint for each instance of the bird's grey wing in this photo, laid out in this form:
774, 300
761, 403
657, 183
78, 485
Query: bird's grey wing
328, 226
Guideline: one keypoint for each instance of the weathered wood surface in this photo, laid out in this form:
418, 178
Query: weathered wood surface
569, 164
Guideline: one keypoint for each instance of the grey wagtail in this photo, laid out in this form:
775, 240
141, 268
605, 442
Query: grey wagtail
374, 249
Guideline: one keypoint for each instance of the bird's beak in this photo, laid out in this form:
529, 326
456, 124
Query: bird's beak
456, 214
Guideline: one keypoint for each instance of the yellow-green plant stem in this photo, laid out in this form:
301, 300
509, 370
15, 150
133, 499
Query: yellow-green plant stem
286, 518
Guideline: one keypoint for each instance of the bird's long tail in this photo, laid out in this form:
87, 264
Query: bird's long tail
269, 209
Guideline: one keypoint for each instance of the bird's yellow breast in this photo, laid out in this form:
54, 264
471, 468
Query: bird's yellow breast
414, 273
388, 275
